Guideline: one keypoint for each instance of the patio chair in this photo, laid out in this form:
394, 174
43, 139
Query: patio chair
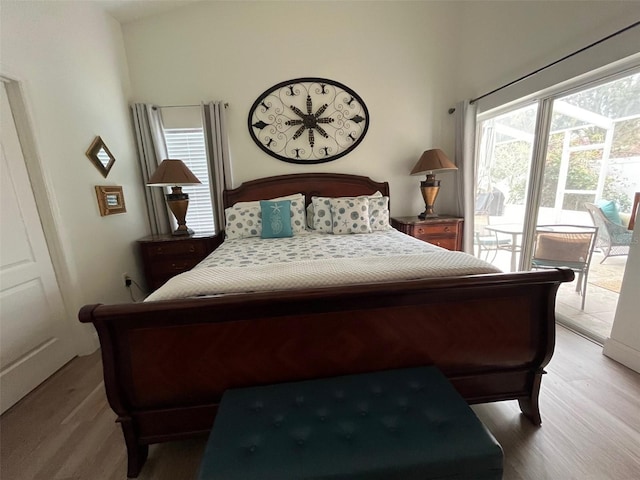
613, 239
486, 240
565, 246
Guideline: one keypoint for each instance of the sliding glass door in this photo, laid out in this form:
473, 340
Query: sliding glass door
555, 184
504, 160
591, 173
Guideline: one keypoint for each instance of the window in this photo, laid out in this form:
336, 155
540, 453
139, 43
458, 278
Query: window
187, 144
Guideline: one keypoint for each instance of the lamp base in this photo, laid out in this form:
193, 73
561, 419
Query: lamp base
178, 203
182, 231
429, 189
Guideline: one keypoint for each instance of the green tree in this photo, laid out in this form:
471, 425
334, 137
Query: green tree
619, 99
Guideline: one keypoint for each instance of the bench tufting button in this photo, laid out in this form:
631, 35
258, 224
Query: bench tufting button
252, 448
416, 386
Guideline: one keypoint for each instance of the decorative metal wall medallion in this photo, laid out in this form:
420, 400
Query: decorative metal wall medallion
308, 120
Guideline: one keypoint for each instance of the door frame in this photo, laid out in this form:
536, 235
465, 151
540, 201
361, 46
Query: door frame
85, 341
544, 101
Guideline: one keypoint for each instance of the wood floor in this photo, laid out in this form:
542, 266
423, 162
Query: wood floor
65, 430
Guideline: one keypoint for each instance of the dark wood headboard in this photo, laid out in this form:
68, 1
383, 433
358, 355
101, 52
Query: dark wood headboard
310, 184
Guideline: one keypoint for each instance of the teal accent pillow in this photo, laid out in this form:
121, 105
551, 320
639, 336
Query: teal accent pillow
276, 219
610, 210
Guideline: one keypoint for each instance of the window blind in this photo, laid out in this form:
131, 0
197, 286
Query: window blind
187, 144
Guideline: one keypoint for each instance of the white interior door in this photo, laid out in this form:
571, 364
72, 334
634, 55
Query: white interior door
34, 330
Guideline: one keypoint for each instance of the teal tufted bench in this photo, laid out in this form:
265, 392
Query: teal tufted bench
395, 424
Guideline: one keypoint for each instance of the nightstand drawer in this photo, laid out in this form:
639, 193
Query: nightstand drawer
450, 243
184, 247
165, 256
171, 267
443, 231
431, 230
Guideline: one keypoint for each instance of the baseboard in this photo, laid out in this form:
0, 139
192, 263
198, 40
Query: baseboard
622, 353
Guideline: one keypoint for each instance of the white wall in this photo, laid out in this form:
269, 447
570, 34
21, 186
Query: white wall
395, 55
70, 59
409, 61
502, 41
624, 343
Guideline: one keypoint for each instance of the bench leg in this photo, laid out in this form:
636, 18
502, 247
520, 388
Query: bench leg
136, 453
529, 405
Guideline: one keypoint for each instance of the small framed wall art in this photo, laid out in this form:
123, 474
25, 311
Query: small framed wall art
110, 200
101, 157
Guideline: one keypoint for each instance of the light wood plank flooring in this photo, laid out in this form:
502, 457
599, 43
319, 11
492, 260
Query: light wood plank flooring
65, 430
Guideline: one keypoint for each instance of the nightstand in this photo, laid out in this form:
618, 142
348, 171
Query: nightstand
164, 256
443, 231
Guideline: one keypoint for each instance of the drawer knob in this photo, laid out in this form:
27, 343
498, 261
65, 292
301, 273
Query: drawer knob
420, 230
192, 249
447, 229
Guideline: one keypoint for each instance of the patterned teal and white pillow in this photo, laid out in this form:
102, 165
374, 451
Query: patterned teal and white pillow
276, 219
243, 222
322, 221
350, 215
379, 213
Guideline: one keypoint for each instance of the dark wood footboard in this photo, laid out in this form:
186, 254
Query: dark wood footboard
166, 364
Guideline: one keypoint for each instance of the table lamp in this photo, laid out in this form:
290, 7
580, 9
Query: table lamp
175, 174
433, 160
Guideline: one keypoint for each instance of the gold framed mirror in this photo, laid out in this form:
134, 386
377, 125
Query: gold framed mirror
101, 157
110, 200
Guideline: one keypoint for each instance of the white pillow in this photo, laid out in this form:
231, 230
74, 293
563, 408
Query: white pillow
322, 214
350, 215
311, 207
243, 222
379, 213
243, 219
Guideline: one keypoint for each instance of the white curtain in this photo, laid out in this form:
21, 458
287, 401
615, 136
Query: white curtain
152, 149
465, 161
216, 138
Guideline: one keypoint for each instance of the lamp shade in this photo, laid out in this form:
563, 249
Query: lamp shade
172, 173
431, 161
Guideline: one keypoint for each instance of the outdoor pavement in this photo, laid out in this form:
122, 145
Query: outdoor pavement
603, 285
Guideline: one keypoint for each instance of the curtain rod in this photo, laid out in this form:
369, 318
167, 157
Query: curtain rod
633, 25
179, 106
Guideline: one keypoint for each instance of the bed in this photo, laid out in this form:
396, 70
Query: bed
166, 363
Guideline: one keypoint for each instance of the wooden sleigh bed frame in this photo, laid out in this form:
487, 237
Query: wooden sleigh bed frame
166, 364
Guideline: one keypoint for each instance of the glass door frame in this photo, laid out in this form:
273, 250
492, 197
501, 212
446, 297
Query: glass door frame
544, 101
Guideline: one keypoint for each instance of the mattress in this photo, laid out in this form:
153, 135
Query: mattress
312, 260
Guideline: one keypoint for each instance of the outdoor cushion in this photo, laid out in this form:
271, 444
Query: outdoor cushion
610, 210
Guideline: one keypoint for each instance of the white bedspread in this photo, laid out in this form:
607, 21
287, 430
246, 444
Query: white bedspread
381, 265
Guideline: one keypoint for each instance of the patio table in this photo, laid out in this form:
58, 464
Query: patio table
513, 229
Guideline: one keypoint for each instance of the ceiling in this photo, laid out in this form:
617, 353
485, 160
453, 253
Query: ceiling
130, 10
